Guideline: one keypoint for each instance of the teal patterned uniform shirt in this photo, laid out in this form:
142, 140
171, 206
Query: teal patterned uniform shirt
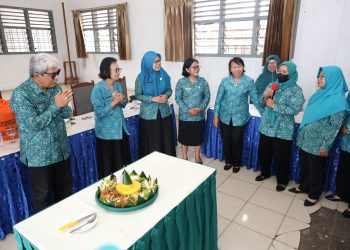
288, 105
320, 134
109, 122
149, 109
345, 138
41, 128
188, 95
232, 101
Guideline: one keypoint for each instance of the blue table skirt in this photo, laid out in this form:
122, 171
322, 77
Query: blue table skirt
15, 196
212, 148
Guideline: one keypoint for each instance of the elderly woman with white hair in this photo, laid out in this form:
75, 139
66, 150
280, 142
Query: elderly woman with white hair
40, 106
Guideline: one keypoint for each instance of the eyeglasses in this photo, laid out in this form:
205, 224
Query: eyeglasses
157, 61
118, 70
196, 67
53, 74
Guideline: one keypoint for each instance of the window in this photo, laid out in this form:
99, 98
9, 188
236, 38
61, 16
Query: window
26, 31
230, 27
100, 30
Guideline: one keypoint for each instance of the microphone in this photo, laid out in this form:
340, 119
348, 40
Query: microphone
274, 87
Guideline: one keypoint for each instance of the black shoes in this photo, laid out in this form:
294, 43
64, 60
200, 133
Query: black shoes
332, 197
295, 190
280, 187
227, 167
260, 178
236, 169
308, 203
346, 214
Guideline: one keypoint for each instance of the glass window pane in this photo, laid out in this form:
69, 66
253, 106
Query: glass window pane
238, 37
16, 40
206, 38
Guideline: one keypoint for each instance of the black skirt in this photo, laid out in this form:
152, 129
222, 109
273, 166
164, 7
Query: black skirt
156, 135
343, 177
112, 155
191, 133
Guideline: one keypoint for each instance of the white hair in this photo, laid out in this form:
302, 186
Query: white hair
41, 62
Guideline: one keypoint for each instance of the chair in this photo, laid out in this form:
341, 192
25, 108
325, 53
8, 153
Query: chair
122, 81
81, 98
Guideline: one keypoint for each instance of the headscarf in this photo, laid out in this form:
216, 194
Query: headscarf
328, 100
282, 86
266, 76
153, 83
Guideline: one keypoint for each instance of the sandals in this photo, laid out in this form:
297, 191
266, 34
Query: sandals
308, 203
280, 187
332, 197
260, 178
236, 169
227, 167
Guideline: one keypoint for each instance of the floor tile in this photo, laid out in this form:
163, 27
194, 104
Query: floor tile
237, 188
314, 208
206, 161
272, 200
276, 245
259, 219
228, 206
291, 225
291, 239
222, 224
220, 178
238, 237
219, 166
301, 196
271, 184
9, 243
247, 175
342, 206
298, 211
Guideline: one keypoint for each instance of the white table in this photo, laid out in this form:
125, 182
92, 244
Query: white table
177, 179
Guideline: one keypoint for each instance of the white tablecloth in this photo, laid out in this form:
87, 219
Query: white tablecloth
177, 179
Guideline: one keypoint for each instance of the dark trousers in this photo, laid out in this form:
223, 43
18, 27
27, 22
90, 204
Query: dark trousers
55, 178
232, 139
312, 172
343, 177
279, 150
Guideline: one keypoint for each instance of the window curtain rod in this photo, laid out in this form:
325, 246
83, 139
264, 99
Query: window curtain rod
100, 7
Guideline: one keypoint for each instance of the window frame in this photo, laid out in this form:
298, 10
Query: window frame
221, 37
94, 30
28, 29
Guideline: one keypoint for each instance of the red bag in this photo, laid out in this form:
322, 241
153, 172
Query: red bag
7, 119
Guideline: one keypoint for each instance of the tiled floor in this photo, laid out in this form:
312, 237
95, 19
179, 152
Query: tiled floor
252, 215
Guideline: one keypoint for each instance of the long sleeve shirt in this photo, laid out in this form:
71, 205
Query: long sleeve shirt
231, 102
320, 134
286, 107
149, 109
192, 95
109, 122
345, 138
41, 127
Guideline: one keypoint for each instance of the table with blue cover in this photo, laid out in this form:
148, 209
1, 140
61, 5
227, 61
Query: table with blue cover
183, 216
212, 148
15, 196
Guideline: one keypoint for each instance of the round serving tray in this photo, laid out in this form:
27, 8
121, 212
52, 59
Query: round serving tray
126, 209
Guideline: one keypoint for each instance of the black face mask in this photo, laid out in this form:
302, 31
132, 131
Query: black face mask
282, 78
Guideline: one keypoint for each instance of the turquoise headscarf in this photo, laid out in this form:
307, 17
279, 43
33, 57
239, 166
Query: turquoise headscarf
266, 77
282, 86
328, 100
154, 83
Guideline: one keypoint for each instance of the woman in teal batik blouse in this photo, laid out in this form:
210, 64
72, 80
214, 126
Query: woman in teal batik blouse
277, 124
268, 74
112, 136
321, 123
153, 88
342, 192
192, 95
232, 111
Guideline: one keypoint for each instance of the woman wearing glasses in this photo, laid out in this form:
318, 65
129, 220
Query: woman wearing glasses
153, 88
192, 95
232, 111
112, 140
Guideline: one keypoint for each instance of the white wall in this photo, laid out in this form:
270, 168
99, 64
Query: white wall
323, 38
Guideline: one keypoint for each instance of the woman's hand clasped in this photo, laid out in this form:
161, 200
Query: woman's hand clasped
216, 121
117, 98
323, 153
